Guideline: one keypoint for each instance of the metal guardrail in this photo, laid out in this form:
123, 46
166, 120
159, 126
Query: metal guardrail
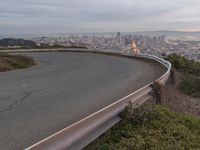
81, 133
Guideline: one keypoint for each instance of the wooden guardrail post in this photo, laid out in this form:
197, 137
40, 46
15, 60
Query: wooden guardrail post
158, 92
173, 75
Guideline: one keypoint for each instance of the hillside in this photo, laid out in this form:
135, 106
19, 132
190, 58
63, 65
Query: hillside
173, 35
151, 127
10, 42
190, 70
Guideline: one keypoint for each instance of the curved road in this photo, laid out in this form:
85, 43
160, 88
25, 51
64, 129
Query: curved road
62, 89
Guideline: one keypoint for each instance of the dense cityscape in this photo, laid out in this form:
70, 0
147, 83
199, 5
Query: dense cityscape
155, 45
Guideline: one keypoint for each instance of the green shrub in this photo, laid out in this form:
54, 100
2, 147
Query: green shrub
151, 127
184, 65
190, 85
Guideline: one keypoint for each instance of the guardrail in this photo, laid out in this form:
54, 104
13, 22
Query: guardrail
81, 133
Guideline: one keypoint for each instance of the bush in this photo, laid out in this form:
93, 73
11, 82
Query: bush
184, 65
191, 70
151, 127
190, 85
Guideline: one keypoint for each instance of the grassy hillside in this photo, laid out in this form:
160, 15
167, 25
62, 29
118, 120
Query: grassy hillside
151, 127
12, 62
7, 42
190, 83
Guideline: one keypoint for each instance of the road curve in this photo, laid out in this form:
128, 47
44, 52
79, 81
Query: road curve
64, 88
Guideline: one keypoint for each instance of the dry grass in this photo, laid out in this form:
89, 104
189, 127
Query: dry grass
11, 62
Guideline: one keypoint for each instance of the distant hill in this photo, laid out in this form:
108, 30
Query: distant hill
10, 42
174, 35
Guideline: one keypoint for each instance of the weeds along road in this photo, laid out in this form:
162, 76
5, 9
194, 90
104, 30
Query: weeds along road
64, 88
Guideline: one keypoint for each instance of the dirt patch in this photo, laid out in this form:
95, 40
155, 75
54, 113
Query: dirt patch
4, 66
12, 62
178, 101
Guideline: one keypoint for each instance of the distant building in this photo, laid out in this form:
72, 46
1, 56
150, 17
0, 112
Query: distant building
128, 41
118, 37
161, 38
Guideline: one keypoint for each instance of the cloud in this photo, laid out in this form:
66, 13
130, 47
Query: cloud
90, 15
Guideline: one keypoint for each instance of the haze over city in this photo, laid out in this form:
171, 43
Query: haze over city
51, 16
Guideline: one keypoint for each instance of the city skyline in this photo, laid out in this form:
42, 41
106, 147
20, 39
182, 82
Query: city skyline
51, 16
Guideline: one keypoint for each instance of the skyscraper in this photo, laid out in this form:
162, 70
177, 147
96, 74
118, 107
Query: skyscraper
118, 37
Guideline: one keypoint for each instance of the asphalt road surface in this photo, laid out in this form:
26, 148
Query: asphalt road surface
63, 88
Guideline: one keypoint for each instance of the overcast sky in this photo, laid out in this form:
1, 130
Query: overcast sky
62, 16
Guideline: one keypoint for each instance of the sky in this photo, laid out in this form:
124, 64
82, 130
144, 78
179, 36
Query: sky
64, 16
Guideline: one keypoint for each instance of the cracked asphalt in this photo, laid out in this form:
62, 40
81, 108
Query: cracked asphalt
63, 88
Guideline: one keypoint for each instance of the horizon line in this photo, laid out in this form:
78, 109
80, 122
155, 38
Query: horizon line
82, 32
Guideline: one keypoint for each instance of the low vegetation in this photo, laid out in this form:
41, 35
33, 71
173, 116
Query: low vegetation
184, 65
10, 42
190, 83
12, 62
59, 46
150, 127
14, 44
